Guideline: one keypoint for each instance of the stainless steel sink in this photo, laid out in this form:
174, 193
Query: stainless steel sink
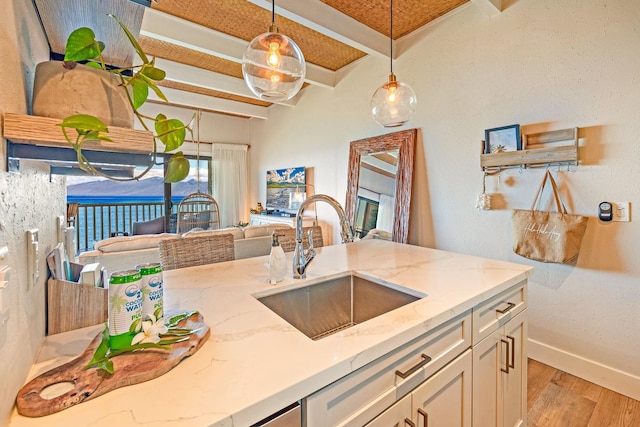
324, 308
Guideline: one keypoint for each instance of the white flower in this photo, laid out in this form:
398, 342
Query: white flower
151, 331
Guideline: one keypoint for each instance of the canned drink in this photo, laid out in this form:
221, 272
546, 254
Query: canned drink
152, 296
125, 307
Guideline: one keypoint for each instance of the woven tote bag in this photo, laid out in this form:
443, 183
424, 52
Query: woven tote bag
545, 235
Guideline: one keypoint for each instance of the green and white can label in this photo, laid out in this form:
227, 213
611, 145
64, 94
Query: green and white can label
152, 296
125, 307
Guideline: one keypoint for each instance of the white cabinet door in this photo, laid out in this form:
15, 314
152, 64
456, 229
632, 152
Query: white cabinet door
442, 400
515, 382
445, 398
487, 390
499, 376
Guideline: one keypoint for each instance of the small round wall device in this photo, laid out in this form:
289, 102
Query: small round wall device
605, 211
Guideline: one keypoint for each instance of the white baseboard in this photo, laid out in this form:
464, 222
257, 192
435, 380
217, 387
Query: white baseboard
605, 376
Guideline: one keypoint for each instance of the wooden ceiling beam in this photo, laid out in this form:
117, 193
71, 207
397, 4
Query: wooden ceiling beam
195, 101
200, 77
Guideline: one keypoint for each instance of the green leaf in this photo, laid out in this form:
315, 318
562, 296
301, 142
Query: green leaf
177, 168
132, 39
173, 341
174, 320
93, 64
170, 131
155, 88
134, 347
174, 333
84, 122
82, 45
95, 136
153, 73
101, 350
140, 91
107, 365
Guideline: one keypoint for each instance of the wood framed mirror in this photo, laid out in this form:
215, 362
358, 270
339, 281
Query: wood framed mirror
379, 184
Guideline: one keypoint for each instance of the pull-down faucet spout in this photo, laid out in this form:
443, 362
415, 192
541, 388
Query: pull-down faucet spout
301, 257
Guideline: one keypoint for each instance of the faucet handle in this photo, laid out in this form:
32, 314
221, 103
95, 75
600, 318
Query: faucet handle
310, 237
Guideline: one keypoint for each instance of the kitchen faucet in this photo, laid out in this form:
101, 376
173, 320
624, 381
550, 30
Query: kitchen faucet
301, 257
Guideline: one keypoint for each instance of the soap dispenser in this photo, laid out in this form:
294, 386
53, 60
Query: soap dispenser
277, 261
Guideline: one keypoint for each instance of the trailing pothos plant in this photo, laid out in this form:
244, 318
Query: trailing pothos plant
136, 82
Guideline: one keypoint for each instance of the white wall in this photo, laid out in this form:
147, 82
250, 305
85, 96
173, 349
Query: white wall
27, 200
547, 65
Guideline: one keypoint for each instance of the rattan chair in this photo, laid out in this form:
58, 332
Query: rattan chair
198, 211
287, 238
190, 251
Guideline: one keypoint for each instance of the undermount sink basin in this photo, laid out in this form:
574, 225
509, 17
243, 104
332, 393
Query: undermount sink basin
321, 309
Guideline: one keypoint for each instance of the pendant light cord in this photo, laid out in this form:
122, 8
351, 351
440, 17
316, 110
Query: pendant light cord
273, 11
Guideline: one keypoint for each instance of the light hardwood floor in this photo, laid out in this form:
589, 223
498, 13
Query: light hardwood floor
555, 398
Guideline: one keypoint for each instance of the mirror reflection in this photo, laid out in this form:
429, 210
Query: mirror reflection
376, 193
379, 185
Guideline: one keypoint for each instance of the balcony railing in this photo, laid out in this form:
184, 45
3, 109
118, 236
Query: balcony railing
95, 222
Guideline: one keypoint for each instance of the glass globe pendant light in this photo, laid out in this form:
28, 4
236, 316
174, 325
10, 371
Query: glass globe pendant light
394, 102
273, 65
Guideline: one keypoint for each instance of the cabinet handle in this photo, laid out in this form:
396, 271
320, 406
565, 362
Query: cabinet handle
408, 421
425, 415
506, 362
510, 305
513, 352
425, 359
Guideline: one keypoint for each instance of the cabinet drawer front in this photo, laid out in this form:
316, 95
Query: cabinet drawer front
498, 310
363, 394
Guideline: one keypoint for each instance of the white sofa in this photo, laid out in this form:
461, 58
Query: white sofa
125, 252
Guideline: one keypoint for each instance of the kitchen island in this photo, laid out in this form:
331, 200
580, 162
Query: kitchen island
254, 362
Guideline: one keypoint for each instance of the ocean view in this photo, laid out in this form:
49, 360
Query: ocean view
99, 218
108, 207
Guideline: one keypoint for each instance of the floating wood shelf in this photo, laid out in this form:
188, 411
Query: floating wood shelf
529, 156
44, 131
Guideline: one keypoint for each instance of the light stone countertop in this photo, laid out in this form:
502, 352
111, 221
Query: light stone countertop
255, 363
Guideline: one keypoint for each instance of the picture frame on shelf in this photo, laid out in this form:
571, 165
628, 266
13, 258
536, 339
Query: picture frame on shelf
502, 139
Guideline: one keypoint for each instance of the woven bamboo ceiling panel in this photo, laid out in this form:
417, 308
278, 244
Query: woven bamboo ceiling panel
408, 15
195, 58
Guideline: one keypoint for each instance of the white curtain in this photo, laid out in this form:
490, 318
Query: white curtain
385, 213
229, 181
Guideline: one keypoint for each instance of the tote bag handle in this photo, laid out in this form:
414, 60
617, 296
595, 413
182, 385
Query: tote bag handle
559, 204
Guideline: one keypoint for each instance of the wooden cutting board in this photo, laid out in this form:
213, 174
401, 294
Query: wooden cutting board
130, 368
